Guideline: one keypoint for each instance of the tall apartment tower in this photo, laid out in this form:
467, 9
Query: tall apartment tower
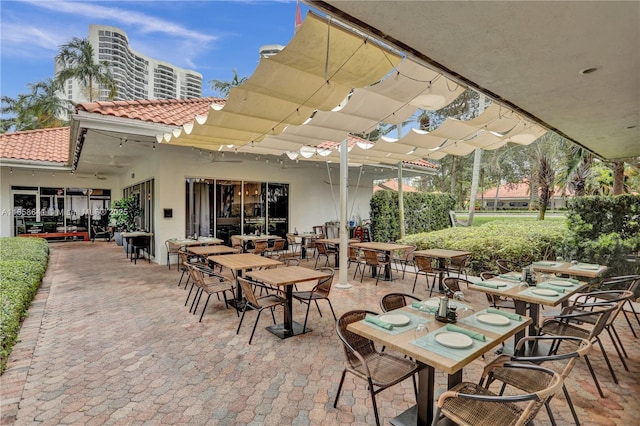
137, 76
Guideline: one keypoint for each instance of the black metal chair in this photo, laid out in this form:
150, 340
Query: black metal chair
138, 246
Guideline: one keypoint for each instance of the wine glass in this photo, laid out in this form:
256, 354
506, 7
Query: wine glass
463, 309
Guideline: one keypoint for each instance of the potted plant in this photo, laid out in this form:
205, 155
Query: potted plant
124, 214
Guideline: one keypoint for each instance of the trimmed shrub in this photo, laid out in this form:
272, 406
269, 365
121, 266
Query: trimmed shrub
523, 242
23, 264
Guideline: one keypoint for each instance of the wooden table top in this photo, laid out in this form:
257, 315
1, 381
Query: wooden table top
336, 241
441, 253
243, 261
515, 293
256, 237
381, 246
199, 242
211, 250
401, 342
568, 268
287, 276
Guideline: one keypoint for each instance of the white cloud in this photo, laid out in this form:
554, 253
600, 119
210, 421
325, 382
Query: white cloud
144, 23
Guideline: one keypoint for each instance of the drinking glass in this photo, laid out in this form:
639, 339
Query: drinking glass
463, 309
421, 330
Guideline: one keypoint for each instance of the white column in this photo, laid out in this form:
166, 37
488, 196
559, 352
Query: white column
344, 223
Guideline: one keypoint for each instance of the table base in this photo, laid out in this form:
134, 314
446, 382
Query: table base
283, 333
238, 304
409, 417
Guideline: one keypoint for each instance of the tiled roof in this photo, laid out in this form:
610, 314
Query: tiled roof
50, 145
392, 185
516, 190
172, 112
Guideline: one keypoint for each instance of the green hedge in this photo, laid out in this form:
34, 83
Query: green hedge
605, 230
422, 213
523, 242
23, 264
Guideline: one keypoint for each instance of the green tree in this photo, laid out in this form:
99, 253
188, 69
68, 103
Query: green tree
77, 61
224, 87
40, 108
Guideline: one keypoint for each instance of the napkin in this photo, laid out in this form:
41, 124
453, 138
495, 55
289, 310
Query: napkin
472, 334
420, 306
377, 321
485, 284
510, 277
571, 280
551, 287
509, 315
544, 263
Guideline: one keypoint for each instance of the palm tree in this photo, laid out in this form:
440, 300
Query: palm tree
41, 108
577, 168
76, 59
224, 87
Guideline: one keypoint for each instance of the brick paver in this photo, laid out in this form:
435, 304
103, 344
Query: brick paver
111, 342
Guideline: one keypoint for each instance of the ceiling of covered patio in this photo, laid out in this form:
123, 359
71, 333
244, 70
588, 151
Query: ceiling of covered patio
331, 82
572, 67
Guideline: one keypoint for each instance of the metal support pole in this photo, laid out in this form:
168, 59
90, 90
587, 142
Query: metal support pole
344, 223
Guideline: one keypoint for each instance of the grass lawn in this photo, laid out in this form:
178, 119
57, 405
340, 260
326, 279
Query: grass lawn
484, 218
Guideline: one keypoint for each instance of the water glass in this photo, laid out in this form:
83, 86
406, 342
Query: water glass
463, 310
421, 329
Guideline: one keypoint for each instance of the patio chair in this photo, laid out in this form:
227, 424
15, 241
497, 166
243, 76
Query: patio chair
620, 298
100, 232
319, 292
172, 250
452, 285
258, 303
424, 266
392, 301
624, 282
470, 404
373, 261
214, 284
458, 265
529, 381
571, 322
260, 247
236, 243
185, 260
505, 266
276, 250
355, 257
404, 258
293, 244
379, 369
323, 250
496, 301
138, 246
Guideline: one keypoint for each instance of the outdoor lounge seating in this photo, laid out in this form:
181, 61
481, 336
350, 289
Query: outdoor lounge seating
100, 232
379, 370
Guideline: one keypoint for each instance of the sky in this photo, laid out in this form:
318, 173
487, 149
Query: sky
211, 37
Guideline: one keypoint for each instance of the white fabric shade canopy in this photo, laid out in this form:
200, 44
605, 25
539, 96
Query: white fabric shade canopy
306, 96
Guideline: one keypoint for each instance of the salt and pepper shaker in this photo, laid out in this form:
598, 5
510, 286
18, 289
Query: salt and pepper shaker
443, 308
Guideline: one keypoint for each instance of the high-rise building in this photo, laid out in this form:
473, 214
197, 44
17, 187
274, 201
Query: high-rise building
137, 76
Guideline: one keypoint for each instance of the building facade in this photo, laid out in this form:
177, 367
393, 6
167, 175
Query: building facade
137, 76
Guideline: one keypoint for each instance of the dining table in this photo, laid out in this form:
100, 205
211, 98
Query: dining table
572, 269
387, 249
551, 292
287, 277
201, 241
238, 263
336, 243
130, 235
206, 251
443, 255
253, 238
305, 240
442, 348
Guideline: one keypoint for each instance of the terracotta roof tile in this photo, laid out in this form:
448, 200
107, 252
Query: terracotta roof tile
392, 185
173, 112
50, 145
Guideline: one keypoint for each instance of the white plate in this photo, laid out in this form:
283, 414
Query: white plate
493, 319
431, 302
589, 267
544, 292
395, 319
454, 340
560, 283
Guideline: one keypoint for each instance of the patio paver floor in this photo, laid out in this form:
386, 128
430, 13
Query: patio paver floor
111, 342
